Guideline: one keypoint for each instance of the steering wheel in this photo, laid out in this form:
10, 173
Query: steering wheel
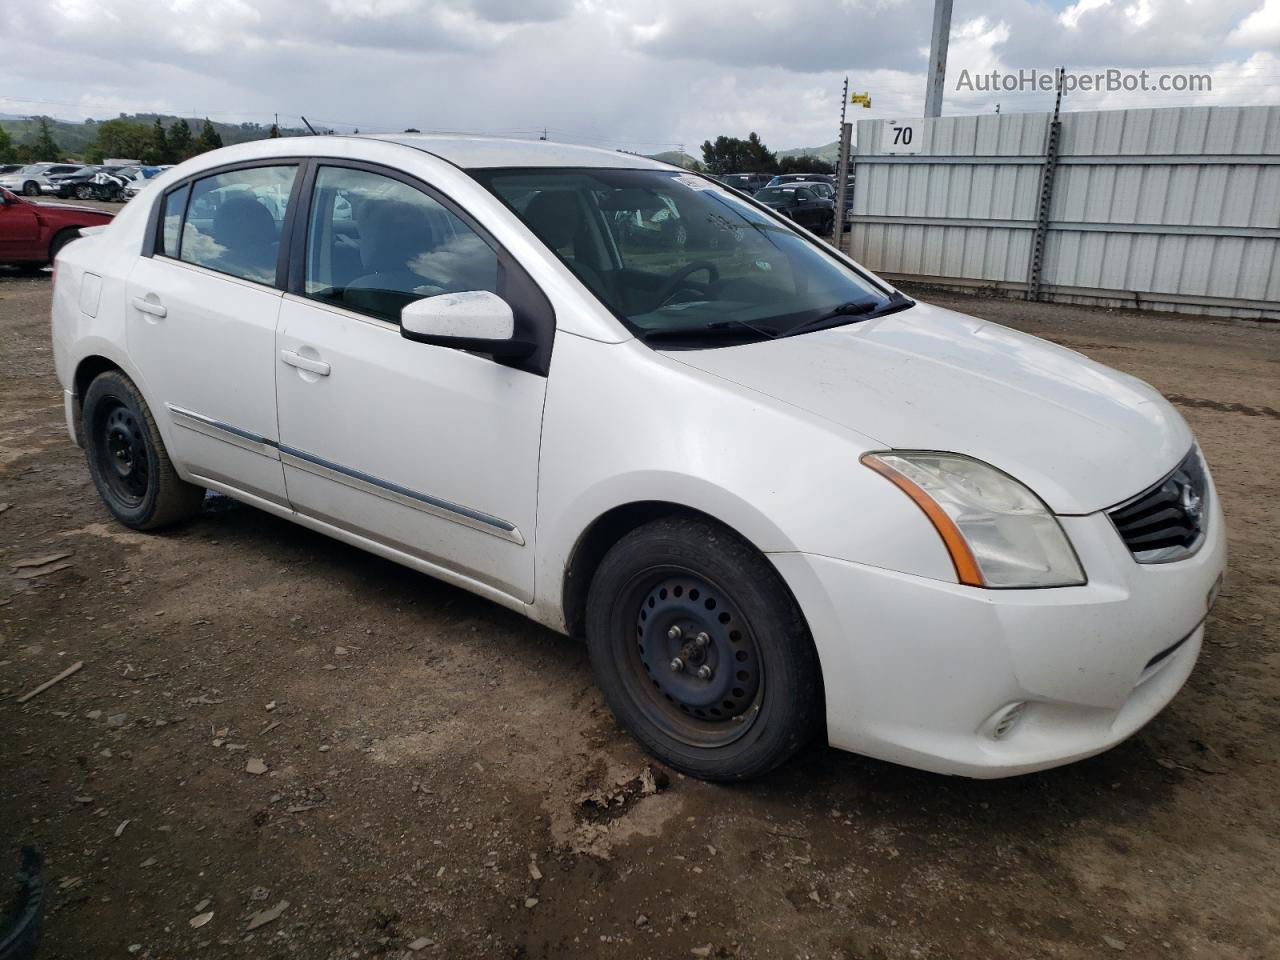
681, 281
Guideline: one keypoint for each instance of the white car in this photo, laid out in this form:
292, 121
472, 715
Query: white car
775, 495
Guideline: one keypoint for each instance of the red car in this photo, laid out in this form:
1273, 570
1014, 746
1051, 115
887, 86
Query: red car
32, 233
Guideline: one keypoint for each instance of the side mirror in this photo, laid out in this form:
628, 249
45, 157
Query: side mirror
475, 320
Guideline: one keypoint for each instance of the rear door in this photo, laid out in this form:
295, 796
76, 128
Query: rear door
201, 324
807, 209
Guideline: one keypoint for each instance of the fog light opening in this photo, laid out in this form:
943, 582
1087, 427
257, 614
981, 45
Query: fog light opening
1005, 720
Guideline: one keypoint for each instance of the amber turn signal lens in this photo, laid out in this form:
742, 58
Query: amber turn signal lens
962, 558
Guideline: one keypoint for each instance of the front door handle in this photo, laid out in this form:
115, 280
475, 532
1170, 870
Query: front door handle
152, 307
318, 367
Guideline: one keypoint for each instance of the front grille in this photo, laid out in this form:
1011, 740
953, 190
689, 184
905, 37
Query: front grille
1167, 522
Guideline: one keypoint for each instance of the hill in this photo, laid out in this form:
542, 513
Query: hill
677, 158
829, 152
74, 137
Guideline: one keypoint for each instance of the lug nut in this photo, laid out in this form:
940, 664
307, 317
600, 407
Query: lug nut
704, 672
677, 665
702, 639
675, 633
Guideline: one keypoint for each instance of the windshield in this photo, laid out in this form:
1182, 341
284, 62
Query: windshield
673, 253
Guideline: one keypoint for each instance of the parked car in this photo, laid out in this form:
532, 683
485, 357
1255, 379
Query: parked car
785, 178
746, 182
89, 183
775, 495
8, 168
32, 232
649, 221
32, 179
141, 181
802, 203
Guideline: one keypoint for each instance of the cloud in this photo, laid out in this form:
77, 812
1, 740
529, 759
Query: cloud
641, 75
1260, 29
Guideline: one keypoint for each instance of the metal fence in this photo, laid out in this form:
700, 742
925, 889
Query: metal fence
1165, 209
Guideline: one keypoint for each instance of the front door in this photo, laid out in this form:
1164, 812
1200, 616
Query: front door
201, 327
19, 231
428, 450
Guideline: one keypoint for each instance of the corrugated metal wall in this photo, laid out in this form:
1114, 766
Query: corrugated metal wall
1167, 209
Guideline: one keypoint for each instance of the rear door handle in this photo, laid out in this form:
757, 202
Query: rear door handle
318, 367
150, 306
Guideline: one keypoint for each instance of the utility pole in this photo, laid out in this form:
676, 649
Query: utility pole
937, 58
842, 170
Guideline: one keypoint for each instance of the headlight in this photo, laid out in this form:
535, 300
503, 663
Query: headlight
998, 532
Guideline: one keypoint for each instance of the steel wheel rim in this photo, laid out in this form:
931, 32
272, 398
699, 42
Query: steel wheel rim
713, 695
122, 453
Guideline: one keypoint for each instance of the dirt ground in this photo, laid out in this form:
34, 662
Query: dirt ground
442, 780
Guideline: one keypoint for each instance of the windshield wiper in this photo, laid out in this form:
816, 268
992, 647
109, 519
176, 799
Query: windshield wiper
711, 331
860, 309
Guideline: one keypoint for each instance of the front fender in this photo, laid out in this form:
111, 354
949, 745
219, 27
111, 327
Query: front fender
783, 479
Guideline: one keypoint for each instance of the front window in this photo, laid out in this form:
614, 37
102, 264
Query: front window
376, 244
676, 256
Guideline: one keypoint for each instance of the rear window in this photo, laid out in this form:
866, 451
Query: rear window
233, 221
175, 204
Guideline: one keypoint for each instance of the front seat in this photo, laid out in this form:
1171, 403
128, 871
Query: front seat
556, 217
246, 232
394, 236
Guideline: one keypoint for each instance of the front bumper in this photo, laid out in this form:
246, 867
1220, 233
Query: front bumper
915, 669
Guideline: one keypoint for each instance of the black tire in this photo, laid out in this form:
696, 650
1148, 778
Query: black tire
761, 699
84, 191
60, 240
31, 189
127, 459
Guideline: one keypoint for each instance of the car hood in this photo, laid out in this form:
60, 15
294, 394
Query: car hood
1082, 436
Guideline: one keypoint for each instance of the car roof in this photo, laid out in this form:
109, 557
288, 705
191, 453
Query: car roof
472, 151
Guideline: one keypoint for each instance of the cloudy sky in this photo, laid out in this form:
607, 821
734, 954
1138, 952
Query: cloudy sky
642, 75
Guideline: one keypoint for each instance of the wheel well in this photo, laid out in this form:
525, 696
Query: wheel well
604, 532
89, 368
53, 241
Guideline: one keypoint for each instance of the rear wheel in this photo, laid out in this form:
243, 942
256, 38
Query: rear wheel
701, 652
127, 459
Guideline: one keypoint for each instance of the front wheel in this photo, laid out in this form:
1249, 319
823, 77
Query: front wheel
59, 241
31, 188
701, 652
84, 192
127, 459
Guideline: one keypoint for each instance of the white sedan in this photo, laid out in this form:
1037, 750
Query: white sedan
776, 496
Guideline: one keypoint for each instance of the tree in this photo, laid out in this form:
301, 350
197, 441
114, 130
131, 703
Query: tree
119, 138
209, 138
805, 164
6, 146
275, 131
45, 147
158, 151
734, 155
180, 146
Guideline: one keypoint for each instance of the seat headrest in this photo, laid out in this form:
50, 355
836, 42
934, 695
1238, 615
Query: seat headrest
393, 234
242, 224
555, 216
